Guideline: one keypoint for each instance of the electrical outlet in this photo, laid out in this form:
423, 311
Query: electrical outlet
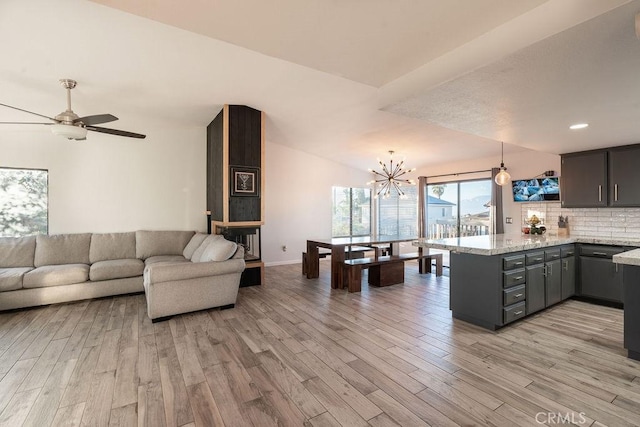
284, 248
509, 220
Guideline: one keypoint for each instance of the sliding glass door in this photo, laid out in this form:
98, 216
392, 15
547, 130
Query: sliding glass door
458, 208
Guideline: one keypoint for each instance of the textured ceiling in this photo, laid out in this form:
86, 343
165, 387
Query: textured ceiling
588, 73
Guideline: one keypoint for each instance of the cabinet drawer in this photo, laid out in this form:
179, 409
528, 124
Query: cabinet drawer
513, 312
552, 254
511, 262
535, 258
513, 295
567, 251
512, 278
598, 251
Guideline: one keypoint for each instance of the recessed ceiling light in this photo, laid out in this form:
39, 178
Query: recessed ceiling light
579, 126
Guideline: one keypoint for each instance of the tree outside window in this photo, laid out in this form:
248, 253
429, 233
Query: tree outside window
351, 212
23, 202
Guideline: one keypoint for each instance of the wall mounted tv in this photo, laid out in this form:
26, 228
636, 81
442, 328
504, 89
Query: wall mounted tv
546, 189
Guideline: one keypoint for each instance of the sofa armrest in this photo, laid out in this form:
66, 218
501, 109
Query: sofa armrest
157, 273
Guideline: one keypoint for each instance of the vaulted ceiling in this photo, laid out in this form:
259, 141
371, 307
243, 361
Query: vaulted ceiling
346, 80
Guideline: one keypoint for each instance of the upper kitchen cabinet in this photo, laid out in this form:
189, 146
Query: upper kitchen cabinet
601, 178
583, 182
624, 176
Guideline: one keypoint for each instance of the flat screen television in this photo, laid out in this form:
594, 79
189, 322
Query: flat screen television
544, 189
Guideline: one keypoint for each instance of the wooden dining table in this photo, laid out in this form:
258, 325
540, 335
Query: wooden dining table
340, 250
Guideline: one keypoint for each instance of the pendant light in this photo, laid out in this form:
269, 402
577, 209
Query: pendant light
391, 178
503, 176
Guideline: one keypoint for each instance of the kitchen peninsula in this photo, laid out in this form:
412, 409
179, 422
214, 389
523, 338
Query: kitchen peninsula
498, 279
484, 270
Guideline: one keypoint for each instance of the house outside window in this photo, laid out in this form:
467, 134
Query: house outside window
399, 217
23, 202
351, 214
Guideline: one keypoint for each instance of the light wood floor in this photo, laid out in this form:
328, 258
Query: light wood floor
294, 352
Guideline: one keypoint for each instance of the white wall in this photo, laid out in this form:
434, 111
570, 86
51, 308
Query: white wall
111, 184
298, 200
520, 165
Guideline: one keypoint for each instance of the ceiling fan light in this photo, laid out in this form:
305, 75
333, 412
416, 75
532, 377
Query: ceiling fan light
69, 131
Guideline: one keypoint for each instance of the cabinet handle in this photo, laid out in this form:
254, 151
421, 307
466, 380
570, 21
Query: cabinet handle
599, 193
615, 192
538, 259
517, 278
517, 313
600, 253
517, 295
517, 263
565, 265
544, 270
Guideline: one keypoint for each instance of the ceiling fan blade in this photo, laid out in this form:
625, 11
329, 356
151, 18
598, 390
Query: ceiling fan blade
116, 132
96, 119
24, 123
30, 112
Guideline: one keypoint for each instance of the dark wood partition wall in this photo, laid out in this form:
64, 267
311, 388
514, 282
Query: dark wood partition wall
235, 144
215, 169
245, 150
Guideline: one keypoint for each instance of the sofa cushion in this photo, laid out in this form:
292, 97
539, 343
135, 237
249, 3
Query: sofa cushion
62, 249
218, 250
17, 251
56, 275
193, 244
11, 278
152, 243
165, 259
110, 246
116, 269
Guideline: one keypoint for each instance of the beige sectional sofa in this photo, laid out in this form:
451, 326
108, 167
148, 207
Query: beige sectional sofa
179, 271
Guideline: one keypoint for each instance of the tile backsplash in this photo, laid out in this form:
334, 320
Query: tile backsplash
586, 222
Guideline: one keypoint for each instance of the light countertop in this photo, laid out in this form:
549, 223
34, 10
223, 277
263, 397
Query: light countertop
629, 257
505, 243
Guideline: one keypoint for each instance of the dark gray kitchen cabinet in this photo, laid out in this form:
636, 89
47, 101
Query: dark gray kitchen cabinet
583, 181
553, 282
535, 299
624, 176
600, 277
632, 311
568, 277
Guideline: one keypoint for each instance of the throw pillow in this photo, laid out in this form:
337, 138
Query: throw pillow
198, 252
193, 244
219, 250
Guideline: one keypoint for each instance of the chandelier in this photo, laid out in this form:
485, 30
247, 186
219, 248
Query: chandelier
390, 177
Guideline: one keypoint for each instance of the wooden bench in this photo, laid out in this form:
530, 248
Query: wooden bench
386, 270
356, 252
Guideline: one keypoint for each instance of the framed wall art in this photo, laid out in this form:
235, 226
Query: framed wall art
245, 181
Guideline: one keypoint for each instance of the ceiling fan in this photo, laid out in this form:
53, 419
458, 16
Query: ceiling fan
69, 125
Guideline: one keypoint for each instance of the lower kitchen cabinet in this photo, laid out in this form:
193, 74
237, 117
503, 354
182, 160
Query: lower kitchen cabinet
492, 291
535, 288
568, 277
600, 278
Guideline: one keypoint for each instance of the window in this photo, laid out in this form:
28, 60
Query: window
458, 208
399, 217
23, 202
351, 212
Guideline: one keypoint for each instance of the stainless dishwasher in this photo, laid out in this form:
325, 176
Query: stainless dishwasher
600, 277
